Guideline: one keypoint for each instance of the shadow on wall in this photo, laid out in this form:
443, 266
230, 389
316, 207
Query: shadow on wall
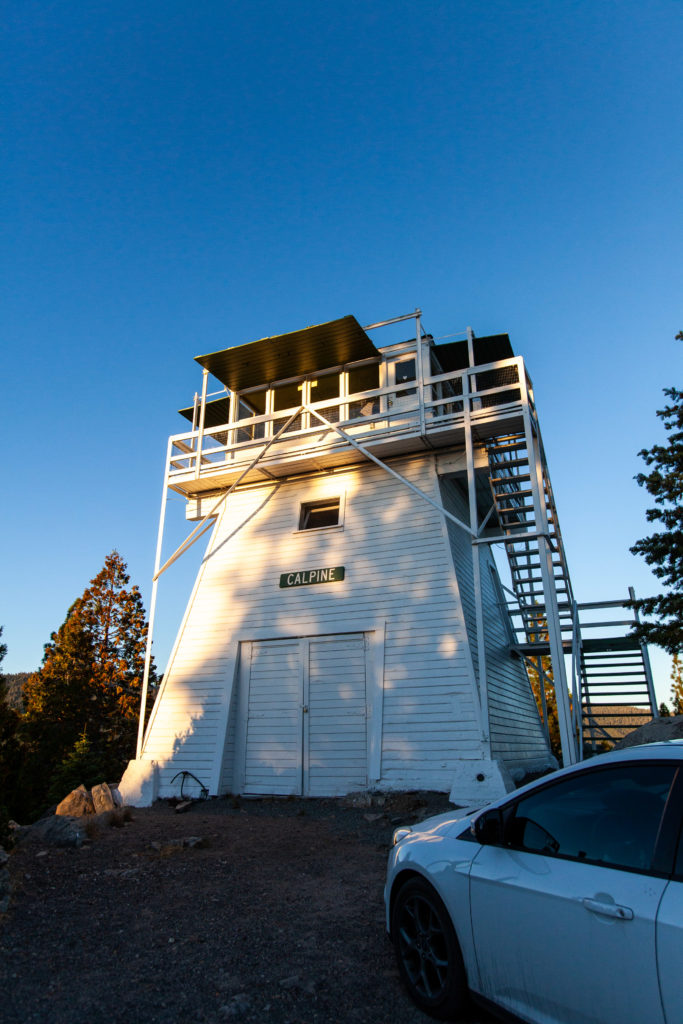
390, 575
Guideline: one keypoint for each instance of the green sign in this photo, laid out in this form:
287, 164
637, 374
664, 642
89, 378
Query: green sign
305, 577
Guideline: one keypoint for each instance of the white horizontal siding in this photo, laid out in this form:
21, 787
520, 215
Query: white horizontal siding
398, 570
517, 734
336, 755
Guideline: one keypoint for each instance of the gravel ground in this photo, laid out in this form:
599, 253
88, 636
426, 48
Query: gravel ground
275, 916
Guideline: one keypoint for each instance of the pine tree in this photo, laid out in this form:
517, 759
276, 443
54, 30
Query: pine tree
114, 617
663, 550
61, 691
90, 679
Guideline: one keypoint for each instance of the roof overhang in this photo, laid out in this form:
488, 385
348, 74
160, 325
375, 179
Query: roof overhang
296, 354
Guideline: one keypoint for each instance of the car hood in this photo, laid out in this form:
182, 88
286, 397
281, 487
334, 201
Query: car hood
447, 824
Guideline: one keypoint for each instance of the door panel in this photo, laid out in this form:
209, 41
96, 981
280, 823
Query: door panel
307, 717
274, 731
336, 724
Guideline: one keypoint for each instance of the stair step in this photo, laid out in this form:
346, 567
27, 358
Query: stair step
511, 511
510, 478
607, 666
511, 443
540, 593
497, 464
518, 492
635, 684
530, 565
607, 656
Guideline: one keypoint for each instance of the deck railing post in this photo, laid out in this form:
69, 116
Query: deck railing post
202, 416
419, 370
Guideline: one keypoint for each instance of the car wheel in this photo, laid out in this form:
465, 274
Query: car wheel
427, 951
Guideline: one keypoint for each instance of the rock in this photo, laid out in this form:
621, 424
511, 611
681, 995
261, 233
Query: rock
76, 804
116, 796
175, 845
53, 831
292, 982
670, 728
183, 806
357, 800
237, 1007
102, 798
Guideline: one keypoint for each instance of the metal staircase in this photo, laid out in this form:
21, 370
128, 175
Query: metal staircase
512, 474
617, 692
611, 682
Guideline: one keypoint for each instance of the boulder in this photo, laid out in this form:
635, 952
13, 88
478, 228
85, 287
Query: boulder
76, 804
52, 831
669, 728
102, 798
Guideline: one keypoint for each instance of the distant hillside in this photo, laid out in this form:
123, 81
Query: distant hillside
14, 682
614, 721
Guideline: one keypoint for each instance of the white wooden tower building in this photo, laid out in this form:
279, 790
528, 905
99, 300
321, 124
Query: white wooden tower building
348, 629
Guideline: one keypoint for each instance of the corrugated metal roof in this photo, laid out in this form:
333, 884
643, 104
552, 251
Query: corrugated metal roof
296, 354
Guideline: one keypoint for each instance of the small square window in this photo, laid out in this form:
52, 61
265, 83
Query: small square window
316, 514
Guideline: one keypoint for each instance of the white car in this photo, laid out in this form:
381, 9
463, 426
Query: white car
562, 903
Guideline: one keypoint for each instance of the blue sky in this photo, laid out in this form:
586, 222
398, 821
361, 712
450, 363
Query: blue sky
180, 178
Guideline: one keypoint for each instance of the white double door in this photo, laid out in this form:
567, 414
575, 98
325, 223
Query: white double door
306, 724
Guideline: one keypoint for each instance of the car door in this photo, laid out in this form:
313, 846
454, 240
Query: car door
670, 922
564, 905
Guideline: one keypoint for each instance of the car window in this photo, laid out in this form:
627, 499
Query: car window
608, 816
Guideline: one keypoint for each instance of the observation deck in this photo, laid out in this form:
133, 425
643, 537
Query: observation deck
319, 399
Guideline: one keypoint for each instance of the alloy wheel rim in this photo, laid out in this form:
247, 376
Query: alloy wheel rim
423, 948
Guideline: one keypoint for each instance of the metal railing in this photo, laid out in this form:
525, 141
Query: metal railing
438, 401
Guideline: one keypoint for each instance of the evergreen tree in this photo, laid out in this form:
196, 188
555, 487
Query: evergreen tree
89, 684
114, 616
61, 691
663, 550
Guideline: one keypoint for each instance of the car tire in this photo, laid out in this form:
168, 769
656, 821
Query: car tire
427, 951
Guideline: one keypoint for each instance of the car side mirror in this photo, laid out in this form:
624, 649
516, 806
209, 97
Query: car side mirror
487, 828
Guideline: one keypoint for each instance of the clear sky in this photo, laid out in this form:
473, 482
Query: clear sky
178, 178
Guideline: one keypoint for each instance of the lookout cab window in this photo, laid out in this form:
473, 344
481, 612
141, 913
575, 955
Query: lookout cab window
405, 373
316, 514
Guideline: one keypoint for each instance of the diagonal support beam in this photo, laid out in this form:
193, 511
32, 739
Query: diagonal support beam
198, 531
204, 525
392, 472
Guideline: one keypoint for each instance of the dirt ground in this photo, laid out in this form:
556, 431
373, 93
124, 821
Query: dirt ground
275, 916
